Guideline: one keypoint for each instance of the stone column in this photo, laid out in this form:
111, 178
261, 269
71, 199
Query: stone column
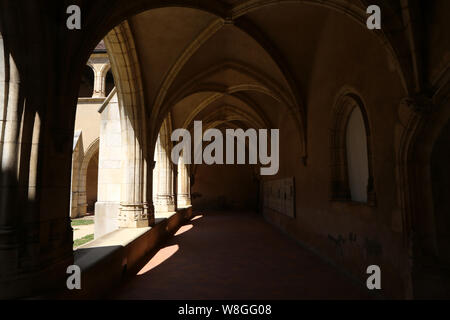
82, 204
109, 170
77, 156
36, 140
149, 209
10, 197
165, 199
183, 185
133, 211
100, 65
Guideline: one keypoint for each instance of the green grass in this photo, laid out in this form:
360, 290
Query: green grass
82, 222
85, 239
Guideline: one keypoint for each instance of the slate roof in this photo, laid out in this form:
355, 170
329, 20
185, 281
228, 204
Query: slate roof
100, 48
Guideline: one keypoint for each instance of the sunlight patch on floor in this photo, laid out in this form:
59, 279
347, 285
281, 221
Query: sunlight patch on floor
197, 217
184, 229
161, 256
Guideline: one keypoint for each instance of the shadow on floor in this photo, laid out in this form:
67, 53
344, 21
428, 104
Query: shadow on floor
235, 256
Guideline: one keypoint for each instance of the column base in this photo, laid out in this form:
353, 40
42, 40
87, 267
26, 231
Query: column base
134, 215
164, 208
165, 204
183, 201
82, 210
143, 223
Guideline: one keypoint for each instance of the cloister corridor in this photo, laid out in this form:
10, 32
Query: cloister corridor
224, 149
235, 255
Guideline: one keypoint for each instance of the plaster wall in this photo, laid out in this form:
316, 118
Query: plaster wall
224, 187
350, 234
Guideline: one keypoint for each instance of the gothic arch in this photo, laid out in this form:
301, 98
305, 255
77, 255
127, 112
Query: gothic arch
345, 104
43, 130
235, 15
87, 81
256, 120
357, 14
93, 148
234, 121
260, 83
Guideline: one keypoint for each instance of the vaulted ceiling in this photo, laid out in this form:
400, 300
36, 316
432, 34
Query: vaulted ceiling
258, 64
258, 57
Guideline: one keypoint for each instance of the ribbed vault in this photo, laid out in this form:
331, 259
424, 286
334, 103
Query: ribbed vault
199, 36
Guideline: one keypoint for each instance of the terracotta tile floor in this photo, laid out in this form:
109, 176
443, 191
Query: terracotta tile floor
235, 256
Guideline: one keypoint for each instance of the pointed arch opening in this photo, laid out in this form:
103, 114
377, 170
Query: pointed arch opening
350, 150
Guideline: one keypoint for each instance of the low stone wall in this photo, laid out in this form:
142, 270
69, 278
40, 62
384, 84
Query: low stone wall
107, 261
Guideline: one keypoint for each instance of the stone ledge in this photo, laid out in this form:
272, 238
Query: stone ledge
121, 237
160, 216
90, 100
111, 242
106, 261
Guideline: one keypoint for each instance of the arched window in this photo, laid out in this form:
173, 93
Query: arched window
351, 163
109, 82
357, 158
87, 83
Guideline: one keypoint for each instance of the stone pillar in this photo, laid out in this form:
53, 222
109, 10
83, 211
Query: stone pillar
9, 186
36, 140
165, 199
77, 158
149, 209
413, 112
100, 65
183, 185
133, 211
109, 170
82, 204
